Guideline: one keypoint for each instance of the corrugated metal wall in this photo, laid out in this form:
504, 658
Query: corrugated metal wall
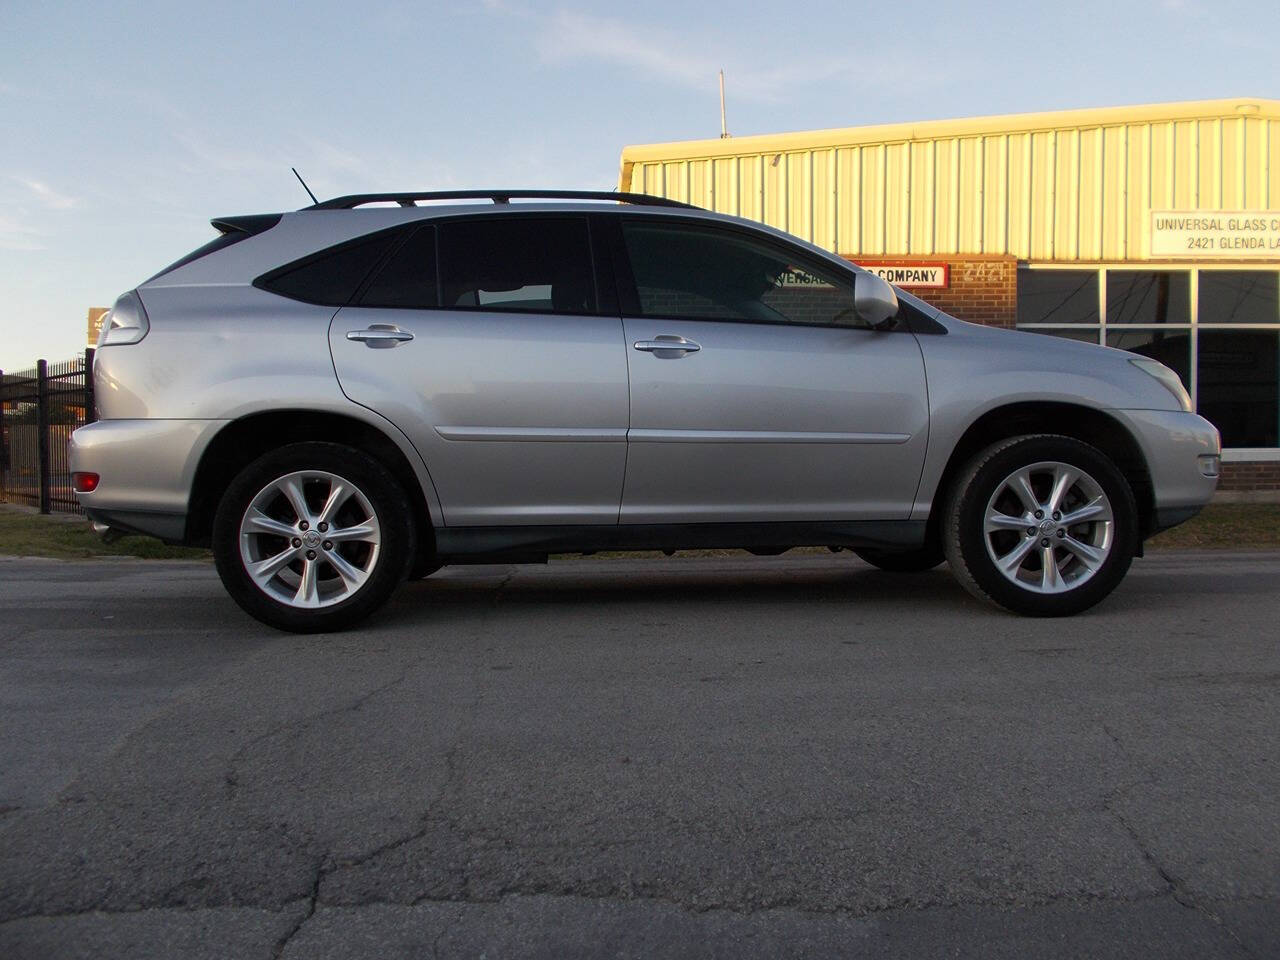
1079, 191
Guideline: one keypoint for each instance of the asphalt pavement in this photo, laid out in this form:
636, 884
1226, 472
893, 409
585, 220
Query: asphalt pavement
787, 757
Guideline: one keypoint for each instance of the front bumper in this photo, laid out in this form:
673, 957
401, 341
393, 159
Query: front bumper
1177, 447
147, 469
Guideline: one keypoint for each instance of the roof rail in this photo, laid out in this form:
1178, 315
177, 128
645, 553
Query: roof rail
497, 196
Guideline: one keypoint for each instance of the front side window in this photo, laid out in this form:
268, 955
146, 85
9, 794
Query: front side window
695, 272
540, 264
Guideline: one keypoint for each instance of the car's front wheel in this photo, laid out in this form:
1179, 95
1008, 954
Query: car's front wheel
312, 537
1042, 525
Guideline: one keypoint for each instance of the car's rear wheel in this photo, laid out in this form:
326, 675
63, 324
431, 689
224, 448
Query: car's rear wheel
1041, 525
312, 537
910, 561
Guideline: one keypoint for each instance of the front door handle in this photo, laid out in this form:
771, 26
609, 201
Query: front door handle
667, 347
380, 335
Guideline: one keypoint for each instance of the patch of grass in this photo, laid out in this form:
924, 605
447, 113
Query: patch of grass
1225, 526
1222, 526
27, 534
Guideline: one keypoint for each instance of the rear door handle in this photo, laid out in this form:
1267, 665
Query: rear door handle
380, 335
667, 347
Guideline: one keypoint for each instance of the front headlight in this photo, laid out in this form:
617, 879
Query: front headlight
125, 323
1171, 381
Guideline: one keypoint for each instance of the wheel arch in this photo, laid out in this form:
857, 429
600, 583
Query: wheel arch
242, 441
1086, 424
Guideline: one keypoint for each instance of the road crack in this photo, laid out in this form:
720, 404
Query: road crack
1176, 887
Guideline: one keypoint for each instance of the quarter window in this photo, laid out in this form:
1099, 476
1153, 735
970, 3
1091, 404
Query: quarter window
332, 276
701, 273
540, 264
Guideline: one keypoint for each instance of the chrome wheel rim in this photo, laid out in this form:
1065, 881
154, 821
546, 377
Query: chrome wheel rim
1049, 527
310, 539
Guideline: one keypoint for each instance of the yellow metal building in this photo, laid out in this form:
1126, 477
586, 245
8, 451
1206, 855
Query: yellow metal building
1153, 228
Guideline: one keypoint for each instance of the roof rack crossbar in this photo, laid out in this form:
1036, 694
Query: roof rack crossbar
497, 196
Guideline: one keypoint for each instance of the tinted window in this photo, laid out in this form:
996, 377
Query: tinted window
408, 279
1057, 296
1239, 389
332, 276
526, 263
1239, 296
1148, 296
692, 271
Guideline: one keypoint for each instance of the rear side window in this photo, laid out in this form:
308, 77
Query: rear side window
408, 279
540, 264
331, 277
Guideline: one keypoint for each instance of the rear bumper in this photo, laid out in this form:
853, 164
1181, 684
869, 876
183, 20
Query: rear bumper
1179, 449
147, 468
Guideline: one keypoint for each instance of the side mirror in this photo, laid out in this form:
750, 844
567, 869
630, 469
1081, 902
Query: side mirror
874, 300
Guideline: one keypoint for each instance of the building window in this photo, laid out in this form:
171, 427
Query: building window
1057, 296
1239, 392
1148, 296
1239, 296
1219, 330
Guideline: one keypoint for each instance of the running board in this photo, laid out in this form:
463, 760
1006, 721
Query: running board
530, 544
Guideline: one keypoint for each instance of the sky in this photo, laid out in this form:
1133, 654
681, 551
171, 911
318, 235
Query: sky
125, 127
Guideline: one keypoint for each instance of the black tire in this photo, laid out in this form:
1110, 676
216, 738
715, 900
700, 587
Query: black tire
969, 548
911, 561
383, 567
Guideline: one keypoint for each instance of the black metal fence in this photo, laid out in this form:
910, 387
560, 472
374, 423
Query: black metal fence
38, 410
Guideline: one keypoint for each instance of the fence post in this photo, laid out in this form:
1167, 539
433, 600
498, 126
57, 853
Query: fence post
4, 445
90, 413
42, 432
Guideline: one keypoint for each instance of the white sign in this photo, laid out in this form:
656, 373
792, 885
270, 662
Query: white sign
910, 274
1221, 234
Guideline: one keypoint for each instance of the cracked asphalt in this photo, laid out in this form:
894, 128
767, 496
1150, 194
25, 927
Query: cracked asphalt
788, 757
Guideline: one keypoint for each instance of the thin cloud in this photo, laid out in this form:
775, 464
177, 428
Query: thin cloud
17, 236
687, 61
47, 195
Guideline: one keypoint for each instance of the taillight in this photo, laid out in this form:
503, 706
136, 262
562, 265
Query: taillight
84, 482
126, 322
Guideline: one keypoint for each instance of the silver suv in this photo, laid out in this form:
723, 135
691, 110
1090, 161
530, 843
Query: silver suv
361, 391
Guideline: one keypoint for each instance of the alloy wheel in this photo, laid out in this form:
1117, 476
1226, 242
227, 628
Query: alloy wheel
310, 539
1049, 527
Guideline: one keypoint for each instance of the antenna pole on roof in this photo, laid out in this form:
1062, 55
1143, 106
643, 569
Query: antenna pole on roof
724, 130
304, 185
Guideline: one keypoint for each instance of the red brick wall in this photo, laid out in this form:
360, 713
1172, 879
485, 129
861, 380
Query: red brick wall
981, 289
1250, 475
